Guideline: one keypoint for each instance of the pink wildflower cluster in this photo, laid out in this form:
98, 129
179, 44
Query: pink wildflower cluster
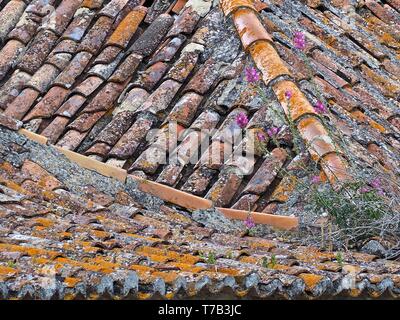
299, 40
273, 131
249, 222
316, 179
376, 185
252, 75
242, 120
320, 108
261, 137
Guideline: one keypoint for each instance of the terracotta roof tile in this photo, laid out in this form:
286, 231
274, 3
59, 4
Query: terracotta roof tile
99, 84
127, 28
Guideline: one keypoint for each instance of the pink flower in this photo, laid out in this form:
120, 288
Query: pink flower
299, 40
252, 75
249, 222
273, 131
288, 94
376, 183
316, 179
364, 190
319, 107
242, 120
261, 136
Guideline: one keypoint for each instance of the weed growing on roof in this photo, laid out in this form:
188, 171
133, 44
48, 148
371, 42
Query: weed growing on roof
353, 210
339, 259
269, 263
209, 258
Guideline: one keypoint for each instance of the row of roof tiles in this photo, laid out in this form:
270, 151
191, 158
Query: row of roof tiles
66, 239
70, 113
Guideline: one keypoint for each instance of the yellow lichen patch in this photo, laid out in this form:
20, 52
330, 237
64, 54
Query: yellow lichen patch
231, 272
69, 296
355, 293
284, 189
96, 265
164, 255
44, 222
262, 244
377, 126
12, 185
7, 167
28, 250
313, 255
170, 295
100, 234
144, 296
141, 269
279, 267
187, 267
143, 237
241, 293
391, 89
7, 271
248, 259
71, 282
310, 280
168, 277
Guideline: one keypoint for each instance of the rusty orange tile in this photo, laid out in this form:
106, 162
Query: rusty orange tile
128, 26
249, 27
298, 105
280, 222
316, 138
267, 60
172, 195
335, 168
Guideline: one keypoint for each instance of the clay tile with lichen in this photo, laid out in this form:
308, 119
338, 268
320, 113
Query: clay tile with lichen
162, 148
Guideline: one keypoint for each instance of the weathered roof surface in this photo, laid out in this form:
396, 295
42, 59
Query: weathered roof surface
95, 76
68, 232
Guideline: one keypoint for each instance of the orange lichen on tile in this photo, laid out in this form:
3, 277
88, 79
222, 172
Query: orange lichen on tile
164, 255
268, 61
71, 282
316, 137
168, 276
310, 280
127, 28
141, 269
44, 222
4, 247
187, 267
361, 117
249, 27
257, 243
229, 6
282, 192
297, 105
144, 296
92, 4
248, 259
7, 271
